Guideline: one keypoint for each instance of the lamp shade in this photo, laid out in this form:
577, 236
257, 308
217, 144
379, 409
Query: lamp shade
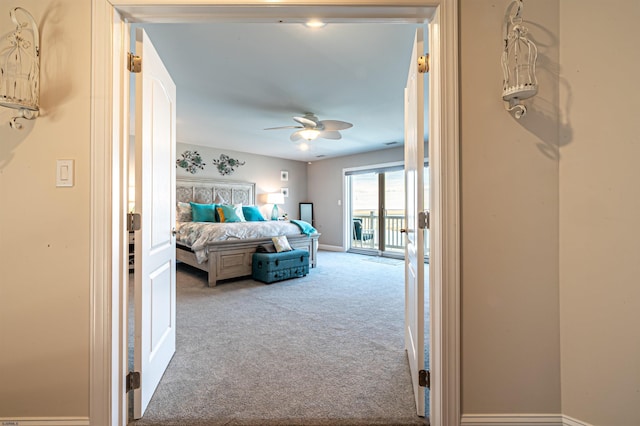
275, 198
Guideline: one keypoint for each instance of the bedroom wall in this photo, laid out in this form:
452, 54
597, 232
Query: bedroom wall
509, 221
599, 211
263, 170
325, 188
44, 230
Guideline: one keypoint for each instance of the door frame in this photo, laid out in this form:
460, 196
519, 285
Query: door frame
109, 156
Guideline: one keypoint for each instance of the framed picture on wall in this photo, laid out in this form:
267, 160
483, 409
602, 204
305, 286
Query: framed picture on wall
284, 192
284, 175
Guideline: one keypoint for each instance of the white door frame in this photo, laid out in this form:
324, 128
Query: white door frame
109, 151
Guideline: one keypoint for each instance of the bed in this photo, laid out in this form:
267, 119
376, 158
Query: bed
225, 250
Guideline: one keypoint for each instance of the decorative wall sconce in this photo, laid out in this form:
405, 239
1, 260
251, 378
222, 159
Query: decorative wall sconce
20, 68
518, 61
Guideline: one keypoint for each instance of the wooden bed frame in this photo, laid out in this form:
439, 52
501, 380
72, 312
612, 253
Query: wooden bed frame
230, 259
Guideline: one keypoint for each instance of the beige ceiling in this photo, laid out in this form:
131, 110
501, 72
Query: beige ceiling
234, 80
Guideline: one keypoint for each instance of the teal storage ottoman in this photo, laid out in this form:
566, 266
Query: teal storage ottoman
272, 267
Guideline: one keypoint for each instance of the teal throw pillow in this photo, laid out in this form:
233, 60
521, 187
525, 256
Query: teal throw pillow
203, 212
252, 214
228, 214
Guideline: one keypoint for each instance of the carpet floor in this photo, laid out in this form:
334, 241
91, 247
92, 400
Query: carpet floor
325, 349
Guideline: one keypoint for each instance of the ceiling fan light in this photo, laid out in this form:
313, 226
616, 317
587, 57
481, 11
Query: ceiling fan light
309, 134
315, 23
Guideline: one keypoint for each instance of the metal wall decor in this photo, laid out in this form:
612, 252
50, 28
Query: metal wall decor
518, 61
20, 67
227, 165
191, 161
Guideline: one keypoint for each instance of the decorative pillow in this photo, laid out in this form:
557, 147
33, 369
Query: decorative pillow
238, 209
203, 212
219, 200
281, 243
228, 214
252, 214
183, 212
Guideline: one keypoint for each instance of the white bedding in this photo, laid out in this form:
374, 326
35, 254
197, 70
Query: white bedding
197, 235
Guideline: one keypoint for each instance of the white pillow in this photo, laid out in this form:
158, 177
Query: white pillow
281, 243
183, 212
238, 209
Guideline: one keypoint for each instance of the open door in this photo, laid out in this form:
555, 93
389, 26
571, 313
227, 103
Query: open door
155, 271
415, 227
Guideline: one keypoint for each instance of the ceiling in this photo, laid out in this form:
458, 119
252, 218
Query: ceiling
234, 80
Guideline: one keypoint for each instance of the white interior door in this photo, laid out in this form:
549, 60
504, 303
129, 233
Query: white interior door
155, 273
414, 204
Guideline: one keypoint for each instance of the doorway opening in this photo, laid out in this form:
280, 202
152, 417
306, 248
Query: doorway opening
107, 396
392, 182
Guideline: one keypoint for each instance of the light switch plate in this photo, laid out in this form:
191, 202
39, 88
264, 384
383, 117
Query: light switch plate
64, 173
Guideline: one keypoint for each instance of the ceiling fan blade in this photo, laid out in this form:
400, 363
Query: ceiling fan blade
306, 122
330, 134
335, 124
296, 136
284, 127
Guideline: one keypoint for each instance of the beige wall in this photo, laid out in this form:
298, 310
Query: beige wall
44, 230
509, 219
600, 211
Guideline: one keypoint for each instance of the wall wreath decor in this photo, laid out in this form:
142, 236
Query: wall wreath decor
227, 165
191, 161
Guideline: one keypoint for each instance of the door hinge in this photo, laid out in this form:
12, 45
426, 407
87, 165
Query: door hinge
133, 222
133, 381
424, 63
424, 220
424, 378
134, 63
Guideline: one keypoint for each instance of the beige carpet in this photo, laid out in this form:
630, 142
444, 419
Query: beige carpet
326, 349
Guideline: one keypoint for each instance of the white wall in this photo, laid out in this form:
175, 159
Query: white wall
44, 230
509, 234
600, 211
264, 171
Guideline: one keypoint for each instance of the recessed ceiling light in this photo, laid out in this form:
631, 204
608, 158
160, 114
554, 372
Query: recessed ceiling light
315, 23
304, 147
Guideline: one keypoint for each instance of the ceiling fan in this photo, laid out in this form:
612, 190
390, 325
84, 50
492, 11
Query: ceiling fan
312, 128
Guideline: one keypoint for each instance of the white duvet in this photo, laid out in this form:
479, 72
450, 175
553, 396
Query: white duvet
197, 235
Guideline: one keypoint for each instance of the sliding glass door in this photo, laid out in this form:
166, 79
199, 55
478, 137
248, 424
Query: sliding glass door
393, 208
376, 200
365, 202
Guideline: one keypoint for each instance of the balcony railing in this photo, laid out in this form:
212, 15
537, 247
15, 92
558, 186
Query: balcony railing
393, 238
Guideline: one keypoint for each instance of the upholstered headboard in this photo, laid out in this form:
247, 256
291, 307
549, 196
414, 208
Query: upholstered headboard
205, 191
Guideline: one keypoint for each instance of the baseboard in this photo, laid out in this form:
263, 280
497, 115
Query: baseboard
45, 421
570, 421
330, 248
520, 420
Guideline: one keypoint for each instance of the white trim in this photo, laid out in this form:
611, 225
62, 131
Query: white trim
373, 166
520, 420
45, 421
330, 248
512, 419
107, 401
101, 371
570, 421
444, 159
